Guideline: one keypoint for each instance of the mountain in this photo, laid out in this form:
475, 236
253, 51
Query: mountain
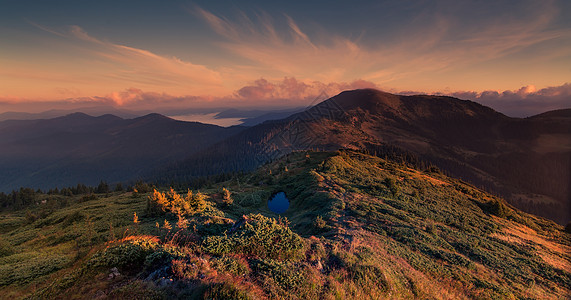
79, 148
255, 117
54, 113
357, 227
528, 161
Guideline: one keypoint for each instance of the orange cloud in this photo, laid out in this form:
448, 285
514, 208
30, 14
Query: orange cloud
526, 101
109, 64
428, 44
294, 90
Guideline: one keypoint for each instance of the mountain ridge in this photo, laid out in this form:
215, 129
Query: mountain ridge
523, 159
87, 149
357, 227
460, 136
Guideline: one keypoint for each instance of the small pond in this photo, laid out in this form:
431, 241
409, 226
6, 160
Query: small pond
279, 203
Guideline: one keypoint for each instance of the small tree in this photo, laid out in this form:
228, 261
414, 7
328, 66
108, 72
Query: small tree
158, 203
392, 185
102, 188
196, 200
182, 223
227, 197
136, 222
167, 225
319, 223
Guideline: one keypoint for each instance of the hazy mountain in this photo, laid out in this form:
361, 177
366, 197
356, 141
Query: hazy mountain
79, 148
255, 117
527, 160
54, 113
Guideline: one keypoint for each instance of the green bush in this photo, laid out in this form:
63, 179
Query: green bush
6, 248
225, 291
285, 274
232, 265
132, 251
259, 236
27, 267
319, 223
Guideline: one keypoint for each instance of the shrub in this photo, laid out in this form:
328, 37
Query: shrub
232, 265
227, 197
259, 236
130, 251
225, 291
88, 197
193, 268
284, 274
5, 248
392, 185
497, 207
319, 223
171, 201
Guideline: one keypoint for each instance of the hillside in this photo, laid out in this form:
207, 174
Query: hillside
79, 148
358, 227
528, 161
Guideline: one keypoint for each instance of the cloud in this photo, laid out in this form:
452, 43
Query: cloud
291, 92
134, 66
437, 39
294, 90
524, 102
261, 93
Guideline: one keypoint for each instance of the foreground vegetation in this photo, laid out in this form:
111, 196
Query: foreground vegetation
358, 227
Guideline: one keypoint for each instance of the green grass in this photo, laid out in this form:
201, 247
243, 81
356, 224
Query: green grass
358, 227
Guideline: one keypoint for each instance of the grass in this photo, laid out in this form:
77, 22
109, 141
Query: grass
358, 227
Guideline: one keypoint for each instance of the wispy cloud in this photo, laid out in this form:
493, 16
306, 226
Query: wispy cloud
430, 42
132, 65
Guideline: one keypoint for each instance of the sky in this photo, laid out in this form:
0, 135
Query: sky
514, 56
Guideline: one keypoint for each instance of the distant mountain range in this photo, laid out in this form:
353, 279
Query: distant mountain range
248, 117
526, 160
79, 148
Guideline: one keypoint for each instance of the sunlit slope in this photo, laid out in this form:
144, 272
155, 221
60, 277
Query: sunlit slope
358, 226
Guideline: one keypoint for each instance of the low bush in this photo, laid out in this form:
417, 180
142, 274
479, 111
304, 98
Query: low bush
286, 275
225, 291
259, 236
131, 251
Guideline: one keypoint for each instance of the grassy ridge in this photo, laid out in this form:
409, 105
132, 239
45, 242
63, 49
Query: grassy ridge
358, 227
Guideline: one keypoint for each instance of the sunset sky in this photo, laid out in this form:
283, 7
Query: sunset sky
512, 55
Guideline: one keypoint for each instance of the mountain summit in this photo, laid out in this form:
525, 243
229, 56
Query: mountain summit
526, 160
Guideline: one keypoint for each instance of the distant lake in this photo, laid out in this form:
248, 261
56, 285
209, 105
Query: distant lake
208, 119
279, 203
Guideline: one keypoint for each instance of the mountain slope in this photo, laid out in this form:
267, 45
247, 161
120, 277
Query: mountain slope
78, 148
526, 160
358, 227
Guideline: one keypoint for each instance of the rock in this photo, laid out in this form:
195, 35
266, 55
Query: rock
114, 273
319, 266
164, 282
159, 273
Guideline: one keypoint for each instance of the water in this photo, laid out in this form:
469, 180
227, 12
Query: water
279, 203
